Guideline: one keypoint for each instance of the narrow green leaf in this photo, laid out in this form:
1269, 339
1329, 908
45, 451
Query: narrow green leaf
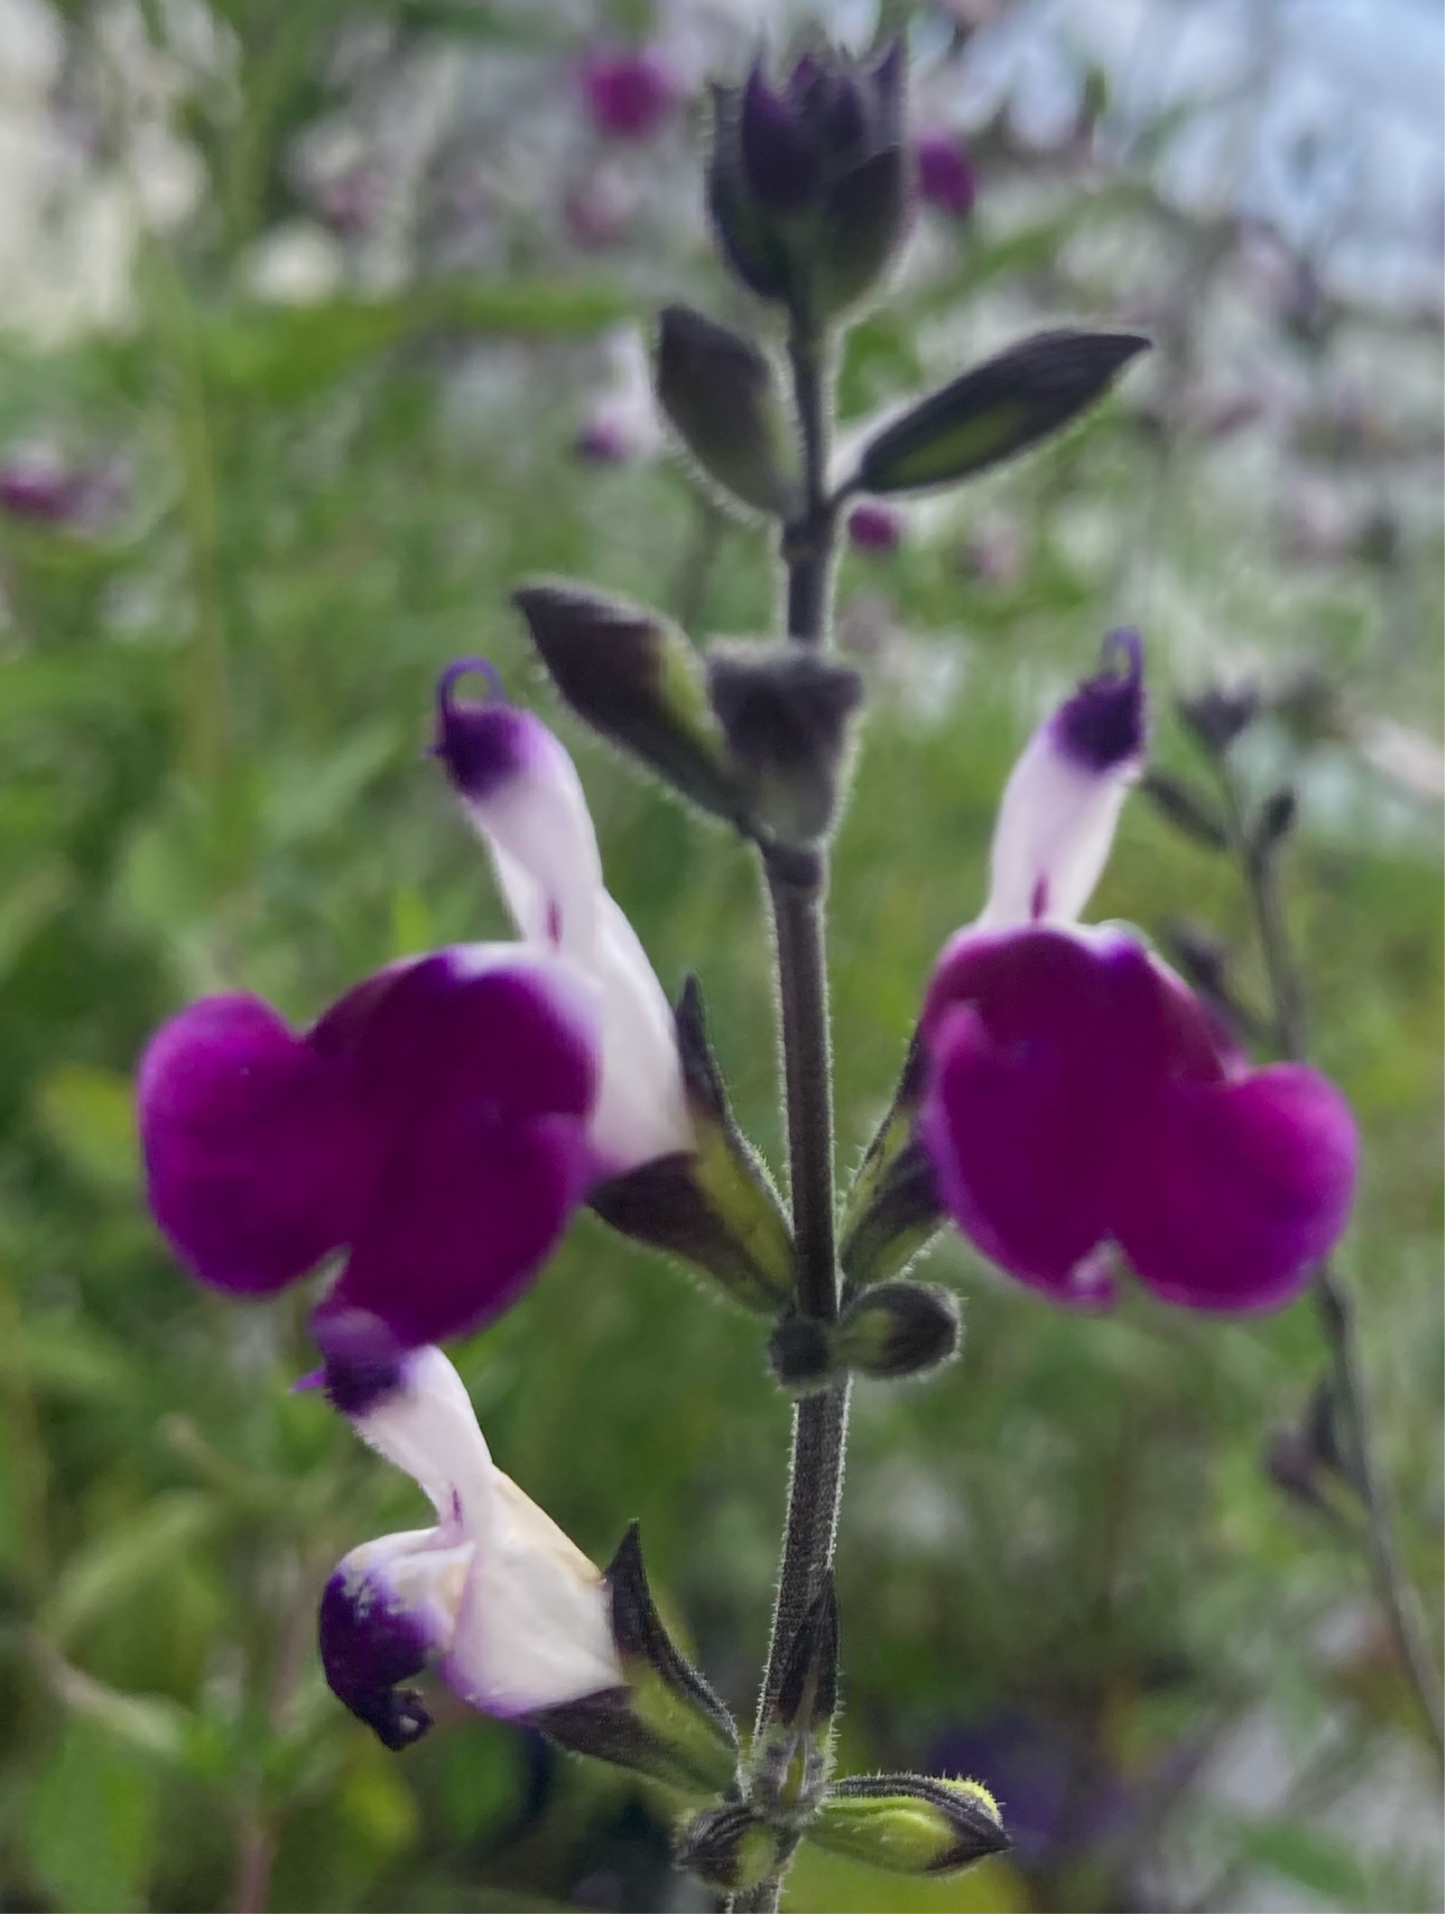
998, 409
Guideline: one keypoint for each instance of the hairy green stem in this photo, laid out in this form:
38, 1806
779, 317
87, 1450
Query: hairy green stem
1335, 1304
798, 899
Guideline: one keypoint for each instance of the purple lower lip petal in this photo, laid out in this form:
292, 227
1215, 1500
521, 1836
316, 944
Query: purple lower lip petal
434, 1123
254, 1148
1079, 1096
369, 1646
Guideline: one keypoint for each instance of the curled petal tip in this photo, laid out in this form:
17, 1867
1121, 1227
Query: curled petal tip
370, 1644
1103, 725
463, 668
480, 744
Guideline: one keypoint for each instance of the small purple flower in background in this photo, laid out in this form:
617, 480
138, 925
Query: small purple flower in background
43, 490
512, 1616
993, 552
622, 423
443, 1121
1078, 1096
946, 178
598, 209
1028, 1762
629, 95
875, 528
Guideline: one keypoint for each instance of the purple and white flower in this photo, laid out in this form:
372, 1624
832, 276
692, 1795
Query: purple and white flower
1079, 1100
442, 1122
493, 1597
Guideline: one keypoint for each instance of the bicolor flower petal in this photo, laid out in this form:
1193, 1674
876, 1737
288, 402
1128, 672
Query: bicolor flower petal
433, 1126
521, 792
1061, 805
494, 1598
1079, 1101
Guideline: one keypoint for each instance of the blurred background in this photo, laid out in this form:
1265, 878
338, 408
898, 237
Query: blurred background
320, 323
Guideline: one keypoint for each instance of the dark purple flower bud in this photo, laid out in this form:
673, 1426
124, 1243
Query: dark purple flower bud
945, 174
875, 528
629, 95
808, 185
777, 155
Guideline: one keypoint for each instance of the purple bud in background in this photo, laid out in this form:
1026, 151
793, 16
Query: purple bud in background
945, 174
630, 95
875, 528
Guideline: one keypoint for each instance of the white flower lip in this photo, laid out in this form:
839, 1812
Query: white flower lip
513, 1615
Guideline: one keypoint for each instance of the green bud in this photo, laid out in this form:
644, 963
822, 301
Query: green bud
910, 1824
786, 712
731, 1848
634, 678
665, 1722
898, 1329
720, 393
998, 409
715, 1208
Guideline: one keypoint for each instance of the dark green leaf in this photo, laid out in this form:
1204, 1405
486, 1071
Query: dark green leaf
998, 409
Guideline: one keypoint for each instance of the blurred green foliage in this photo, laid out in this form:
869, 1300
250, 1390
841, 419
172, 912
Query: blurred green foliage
212, 717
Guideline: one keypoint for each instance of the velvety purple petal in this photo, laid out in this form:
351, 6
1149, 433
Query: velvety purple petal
488, 1081
1229, 1193
370, 1644
467, 1025
257, 1157
470, 1210
1016, 1029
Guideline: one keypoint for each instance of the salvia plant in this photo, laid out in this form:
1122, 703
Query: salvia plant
1071, 1104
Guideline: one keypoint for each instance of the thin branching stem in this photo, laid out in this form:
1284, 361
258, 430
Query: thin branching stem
798, 897
1259, 866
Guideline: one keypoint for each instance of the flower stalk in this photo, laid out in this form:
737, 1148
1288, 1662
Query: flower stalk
799, 910
1334, 1302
